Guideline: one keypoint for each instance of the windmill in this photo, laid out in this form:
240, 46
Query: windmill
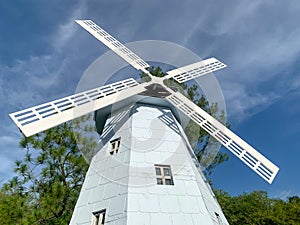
133, 182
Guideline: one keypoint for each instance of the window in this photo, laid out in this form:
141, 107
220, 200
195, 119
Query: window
99, 217
218, 218
114, 146
163, 175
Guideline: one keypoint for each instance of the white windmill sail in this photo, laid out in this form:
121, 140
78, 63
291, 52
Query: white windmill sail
156, 88
195, 70
113, 44
251, 157
42, 117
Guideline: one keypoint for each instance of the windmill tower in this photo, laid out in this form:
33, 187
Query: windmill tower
146, 172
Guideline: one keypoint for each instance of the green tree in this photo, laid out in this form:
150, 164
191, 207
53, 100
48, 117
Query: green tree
257, 208
15, 205
49, 178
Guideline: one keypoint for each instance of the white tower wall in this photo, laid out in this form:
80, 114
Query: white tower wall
125, 183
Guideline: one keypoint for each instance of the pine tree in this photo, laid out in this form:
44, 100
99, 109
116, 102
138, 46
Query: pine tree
49, 178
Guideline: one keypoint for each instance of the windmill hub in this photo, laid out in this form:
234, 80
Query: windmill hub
156, 90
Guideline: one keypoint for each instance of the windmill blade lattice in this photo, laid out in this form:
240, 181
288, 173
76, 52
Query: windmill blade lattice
113, 44
195, 70
45, 116
42, 117
251, 157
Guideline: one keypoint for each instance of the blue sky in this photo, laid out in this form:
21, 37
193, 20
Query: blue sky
43, 55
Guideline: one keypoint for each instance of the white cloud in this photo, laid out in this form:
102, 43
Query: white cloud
187, 36
1, 89
285, 194
28, 82
242, 104
7, 140
10, 152
257, 46
6, 169
67, 30
295, 83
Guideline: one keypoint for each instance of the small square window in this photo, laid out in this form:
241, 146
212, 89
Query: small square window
99, 217
159, 181
169, 182
157, 170
163, 175
114, 146
167, 172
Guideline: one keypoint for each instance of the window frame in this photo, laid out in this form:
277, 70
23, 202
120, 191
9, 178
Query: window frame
114, 146
218, 218
162, 177
99, 217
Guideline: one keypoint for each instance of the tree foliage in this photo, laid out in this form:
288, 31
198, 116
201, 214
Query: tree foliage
48, 180
257, 208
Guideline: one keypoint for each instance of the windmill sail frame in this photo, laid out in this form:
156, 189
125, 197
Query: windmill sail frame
42, 117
